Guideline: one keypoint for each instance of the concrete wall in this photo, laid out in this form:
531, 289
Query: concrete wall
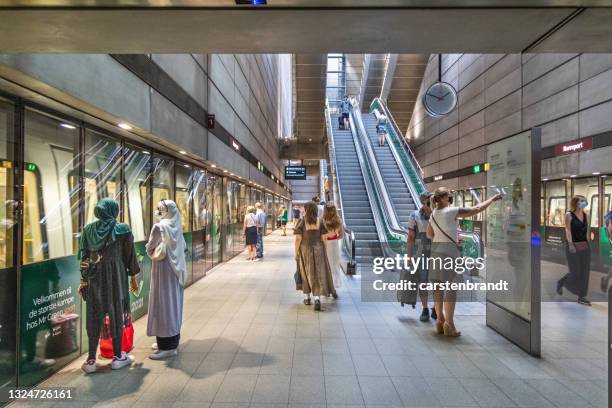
568, 95
304, 190
241, 90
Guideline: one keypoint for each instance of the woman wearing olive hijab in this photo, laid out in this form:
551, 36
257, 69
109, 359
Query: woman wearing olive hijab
107, 258
166, 247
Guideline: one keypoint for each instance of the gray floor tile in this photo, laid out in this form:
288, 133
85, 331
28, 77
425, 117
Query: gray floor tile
521, 393
307, 345
558, 393
307, 390
342, 390
415, 392
236, 388
462, 367
276, 363
166, 388
246, 363
369, 364
379, 391
307, 364
215, 363
486, 393
272, 389
450, 392
201, 389
334, 346
338, 364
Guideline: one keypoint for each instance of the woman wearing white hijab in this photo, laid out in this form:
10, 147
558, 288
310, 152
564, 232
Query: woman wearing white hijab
166, 248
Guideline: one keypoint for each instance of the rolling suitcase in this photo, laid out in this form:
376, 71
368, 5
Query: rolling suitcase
340, 122
407, 296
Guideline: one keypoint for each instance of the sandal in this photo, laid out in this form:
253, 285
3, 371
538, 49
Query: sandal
451, 331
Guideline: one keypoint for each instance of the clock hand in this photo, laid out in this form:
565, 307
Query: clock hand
445, 95
437, 97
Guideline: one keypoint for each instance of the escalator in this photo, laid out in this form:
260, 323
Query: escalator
355, 202
399, 192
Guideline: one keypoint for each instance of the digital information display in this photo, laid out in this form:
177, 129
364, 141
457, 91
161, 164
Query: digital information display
295, 173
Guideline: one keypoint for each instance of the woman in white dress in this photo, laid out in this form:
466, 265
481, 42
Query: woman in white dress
335, 232
166, 247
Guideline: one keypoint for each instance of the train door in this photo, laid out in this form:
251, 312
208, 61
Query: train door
184, 200
8, 270
556, 193
606, 239
217, 194
589, 188
50, 309
200, 218
137, 212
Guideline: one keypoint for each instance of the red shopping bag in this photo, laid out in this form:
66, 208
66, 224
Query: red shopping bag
127, 341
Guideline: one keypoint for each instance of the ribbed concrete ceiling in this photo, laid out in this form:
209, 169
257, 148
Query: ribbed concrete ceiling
310, 3
375, 78
298, 28
310, 81
405, 85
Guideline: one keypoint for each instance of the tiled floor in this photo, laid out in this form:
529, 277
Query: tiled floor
247, 341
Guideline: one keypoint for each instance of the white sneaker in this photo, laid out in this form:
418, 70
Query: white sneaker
154, 346
89, 366
161, 354
119, 363
43, 362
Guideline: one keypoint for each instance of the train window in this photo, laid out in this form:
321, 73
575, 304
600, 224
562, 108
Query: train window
48, 229
137, 191
556, 205
102, 170
182, 194
163, 180
588, 187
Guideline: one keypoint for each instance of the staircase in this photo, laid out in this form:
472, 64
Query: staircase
396, 186
355, 204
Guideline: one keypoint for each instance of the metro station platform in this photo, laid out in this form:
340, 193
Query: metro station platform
248, 341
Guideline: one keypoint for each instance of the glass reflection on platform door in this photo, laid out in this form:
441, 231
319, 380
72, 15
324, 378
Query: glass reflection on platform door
50, 308
8, 272
183, 199
200, 218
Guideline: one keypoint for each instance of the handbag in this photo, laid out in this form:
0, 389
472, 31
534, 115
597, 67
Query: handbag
127, 340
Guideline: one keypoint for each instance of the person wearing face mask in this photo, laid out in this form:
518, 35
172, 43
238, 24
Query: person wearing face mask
166, 248
577, 251
417, 239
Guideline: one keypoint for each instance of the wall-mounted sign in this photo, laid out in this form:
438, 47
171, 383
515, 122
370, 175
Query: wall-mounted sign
574, 146
210, 121
295, 173
438, 177
235, 144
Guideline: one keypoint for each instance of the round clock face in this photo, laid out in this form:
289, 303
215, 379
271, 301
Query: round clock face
440, 99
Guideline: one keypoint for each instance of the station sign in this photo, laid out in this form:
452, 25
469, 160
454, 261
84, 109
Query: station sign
295, 173
574, 146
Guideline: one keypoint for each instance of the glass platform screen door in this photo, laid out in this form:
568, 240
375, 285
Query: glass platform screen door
513, 239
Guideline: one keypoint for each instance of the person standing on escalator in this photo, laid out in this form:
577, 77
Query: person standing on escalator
345, 109
381, 130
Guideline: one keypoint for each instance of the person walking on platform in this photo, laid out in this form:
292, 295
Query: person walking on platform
166, 248
108, 257
335, 232
577, 251
296, 215
313, 266
420, 245
442, 230
261, 225
608, 228
320, 208
250, 231
283, 217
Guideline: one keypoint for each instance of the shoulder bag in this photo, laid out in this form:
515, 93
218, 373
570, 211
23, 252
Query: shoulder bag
91, 263
445, 234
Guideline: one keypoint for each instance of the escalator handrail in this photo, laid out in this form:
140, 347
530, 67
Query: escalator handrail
407, 180
389, 208
349, 235
464, 235
376, 191
402, 139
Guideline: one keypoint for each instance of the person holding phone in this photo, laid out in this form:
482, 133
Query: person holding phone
442, 230
577, 251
